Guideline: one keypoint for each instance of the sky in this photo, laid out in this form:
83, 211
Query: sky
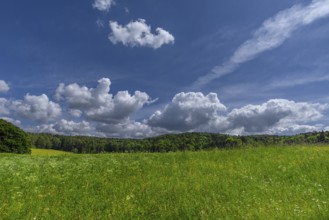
135, 69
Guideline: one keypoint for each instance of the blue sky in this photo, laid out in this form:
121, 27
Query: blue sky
121, 68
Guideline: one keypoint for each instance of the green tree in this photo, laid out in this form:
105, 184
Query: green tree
13, 139
322, 137
233, 142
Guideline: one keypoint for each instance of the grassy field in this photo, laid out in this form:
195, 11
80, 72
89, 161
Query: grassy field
258, 183
48, 152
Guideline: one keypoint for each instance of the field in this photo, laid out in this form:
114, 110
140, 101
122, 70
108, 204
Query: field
47, 152
253, 183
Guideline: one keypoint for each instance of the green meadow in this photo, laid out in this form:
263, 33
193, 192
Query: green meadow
249, 183
48, 152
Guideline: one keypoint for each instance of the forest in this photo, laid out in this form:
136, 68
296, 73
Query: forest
171, 142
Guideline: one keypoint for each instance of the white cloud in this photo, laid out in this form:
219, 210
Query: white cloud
119, 109
291, 129
298, 80
75, 113
4, 107
97, 104
99, 113
274, 116
103, 5
4, 87
273, 32
127, 129
65, 127
187, 112
196, 112
38, 108
138, 33
80, 97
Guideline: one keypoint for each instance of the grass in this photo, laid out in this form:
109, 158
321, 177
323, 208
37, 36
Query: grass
256, 183
48, 152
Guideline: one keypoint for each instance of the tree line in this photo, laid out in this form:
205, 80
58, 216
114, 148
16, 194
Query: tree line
15, 140
170, 142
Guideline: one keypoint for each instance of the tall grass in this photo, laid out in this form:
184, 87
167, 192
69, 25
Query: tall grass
258, 183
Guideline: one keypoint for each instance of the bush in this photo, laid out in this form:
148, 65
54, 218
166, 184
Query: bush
13, 139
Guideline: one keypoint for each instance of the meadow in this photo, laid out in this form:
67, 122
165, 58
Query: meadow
247, 183
48, 152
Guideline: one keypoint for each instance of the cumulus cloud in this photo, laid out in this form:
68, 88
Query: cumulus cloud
291, 129
200, 113
81, 97
138, 33
97, 112
103, 5
38, 108
65, 127
97, 104
121, 106
188, 111
127, 129
272, 33
274, 116
4, 87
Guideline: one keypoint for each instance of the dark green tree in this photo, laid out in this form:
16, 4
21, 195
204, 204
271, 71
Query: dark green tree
13, 139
